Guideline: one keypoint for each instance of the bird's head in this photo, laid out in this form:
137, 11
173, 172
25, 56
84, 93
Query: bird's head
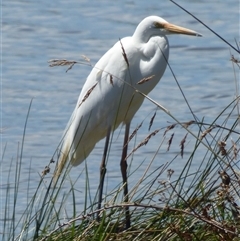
156, 26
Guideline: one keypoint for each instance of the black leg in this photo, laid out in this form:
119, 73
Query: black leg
123, 165
103, 170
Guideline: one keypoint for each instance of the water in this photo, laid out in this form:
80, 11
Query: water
34, 32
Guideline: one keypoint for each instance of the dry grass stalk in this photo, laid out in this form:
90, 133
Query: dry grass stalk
234, 60
62, 62
111, 79
235, 210
151, 121
124, 53
206, 132
182, 144
151, 135
86, 58
187, 124
235, 150
169, 128
222, 149
225, 178
205, 211
144, 142
87, 94
170, 173
134, 132
46, 171
145, 80
52, 160
170, 142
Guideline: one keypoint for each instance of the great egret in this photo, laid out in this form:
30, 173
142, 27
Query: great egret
109, 97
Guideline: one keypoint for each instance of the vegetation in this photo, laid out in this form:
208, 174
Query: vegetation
198, 204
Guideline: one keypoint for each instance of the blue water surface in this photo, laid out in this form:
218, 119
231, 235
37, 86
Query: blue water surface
34, 32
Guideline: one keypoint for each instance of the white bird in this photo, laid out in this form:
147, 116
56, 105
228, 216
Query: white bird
109, 98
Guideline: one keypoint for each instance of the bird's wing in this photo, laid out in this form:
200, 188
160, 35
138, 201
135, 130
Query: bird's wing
97, 107
108, 98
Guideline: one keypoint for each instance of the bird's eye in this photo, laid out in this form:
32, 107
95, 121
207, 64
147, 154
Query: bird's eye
158, 25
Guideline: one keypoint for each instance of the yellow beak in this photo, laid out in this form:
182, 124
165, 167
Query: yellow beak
180, 30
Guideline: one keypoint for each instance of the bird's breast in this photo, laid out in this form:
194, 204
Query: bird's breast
153, 62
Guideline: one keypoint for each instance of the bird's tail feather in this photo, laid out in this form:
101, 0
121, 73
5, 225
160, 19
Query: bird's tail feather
62, 160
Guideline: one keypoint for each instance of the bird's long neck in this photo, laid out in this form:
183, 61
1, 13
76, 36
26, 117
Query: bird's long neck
140, 35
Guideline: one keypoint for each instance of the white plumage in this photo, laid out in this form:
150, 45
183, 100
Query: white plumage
107, 98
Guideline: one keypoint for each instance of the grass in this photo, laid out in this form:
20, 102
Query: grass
193, 205
200, 205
